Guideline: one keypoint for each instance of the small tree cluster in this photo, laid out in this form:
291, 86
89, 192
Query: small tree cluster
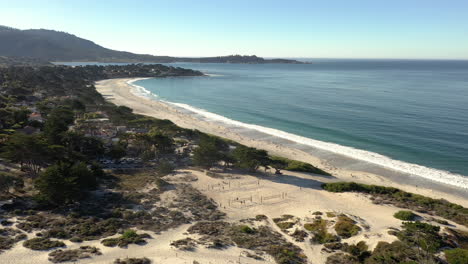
65, 183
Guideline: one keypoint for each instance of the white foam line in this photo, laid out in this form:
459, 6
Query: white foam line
140, 90
213, 75
371, 157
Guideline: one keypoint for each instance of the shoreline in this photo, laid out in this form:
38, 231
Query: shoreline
121, 92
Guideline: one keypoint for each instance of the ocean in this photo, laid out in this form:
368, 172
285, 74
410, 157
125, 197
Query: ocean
409, 116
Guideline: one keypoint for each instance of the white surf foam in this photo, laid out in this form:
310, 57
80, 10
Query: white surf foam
140, 90
367, 156
213, 75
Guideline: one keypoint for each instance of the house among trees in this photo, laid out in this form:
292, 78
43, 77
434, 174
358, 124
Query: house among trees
35, 116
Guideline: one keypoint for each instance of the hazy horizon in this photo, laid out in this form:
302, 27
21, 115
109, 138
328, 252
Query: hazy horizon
273, 29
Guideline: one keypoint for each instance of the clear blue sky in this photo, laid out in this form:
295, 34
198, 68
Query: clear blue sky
286, 28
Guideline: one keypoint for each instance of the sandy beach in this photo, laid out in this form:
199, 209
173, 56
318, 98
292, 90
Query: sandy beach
120, 92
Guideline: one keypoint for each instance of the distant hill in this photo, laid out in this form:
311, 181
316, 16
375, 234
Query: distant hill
50, 45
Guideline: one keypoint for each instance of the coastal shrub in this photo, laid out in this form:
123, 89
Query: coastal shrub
457, 238
6, 243
164, 168
60, 255
405, 215
184, 244
346, 227
421, 235
41, 243
6, 182
299, 235
402, 199
316, 225
250, 158
359, 250
221, 234
57, 233
331, 214
320, 232
133, 261
456, 256
247, 229
295, 165
261, 217
341, 258
128, 237
283, 218
393, 253
285, 225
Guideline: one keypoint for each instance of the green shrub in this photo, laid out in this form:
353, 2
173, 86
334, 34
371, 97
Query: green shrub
164, 168
342, 258
128, 237
405, 215
129, 234
261, 217
331, 214
133, 261
393, 253
246, 229
346, 227
316, 225
40, 243
294, 165
58, 256
285, 225
421, 235
320, 233
456, 256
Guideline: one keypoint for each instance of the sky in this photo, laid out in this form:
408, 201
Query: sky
411, 29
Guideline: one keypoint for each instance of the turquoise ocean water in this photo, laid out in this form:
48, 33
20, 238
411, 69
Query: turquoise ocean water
405, 110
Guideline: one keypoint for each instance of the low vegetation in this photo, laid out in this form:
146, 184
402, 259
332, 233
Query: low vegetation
133, 261
402, 199
346, 227
262, 238
319, 230
70, 255
456, 256
9, 237
127, 238
186, 244
405, 215
41, 243
294, 165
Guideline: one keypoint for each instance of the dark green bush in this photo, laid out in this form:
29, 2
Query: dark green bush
128, 237
346, 227
405, 215
247, 229
456, 256
285, 225
58, 256
394, 253
40, 243
421, 235
133, 261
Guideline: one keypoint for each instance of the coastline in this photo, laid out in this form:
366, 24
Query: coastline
121, 92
